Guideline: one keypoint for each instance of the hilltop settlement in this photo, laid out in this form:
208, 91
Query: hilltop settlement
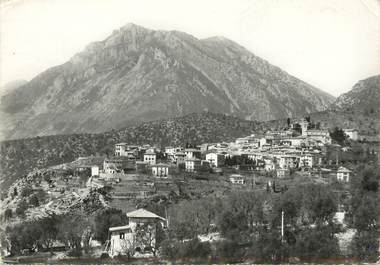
302, 192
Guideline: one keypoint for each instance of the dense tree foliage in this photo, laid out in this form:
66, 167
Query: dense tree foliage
338, 135
18, 157
106, 218
250, 223
365, 211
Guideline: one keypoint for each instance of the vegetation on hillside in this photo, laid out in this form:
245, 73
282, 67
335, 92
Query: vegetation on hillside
19, 157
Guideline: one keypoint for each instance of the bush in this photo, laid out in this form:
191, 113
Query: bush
195, 249
170, 248
186, 250
104, 255
316, 243
229, 252
365, 245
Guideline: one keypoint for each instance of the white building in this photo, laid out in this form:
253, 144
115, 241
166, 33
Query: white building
150, 157
282, 173
307, 160
170, 151
124, 239
215, 159
243, 140
179, 158
192, 164
343, 174
120, 149
160, 170
115, 164
353, 134
304, 124
237, 179
193, 153
289, 161
94, 171
269, 164
319, 135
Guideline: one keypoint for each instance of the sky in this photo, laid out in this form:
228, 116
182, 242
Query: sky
330, 44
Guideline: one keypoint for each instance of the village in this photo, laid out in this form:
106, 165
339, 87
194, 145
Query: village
270, 162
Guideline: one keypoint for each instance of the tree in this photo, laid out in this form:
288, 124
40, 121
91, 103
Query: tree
316, 242
338, 135
146, 236
365, 245
26, 191
73, 230
365, 211
189, 218
128, 246
240, 217
21, 208
33, 200
104, 219
22, 236
8, 214
48, 230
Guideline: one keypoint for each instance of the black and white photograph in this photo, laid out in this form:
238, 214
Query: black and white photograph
189, 132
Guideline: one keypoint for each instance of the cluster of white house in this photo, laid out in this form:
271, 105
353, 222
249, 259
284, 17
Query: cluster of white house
278, 151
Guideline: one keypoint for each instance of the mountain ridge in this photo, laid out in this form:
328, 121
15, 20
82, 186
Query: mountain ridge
137, 75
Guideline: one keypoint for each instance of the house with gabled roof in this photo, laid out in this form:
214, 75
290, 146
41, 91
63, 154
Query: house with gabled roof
139, 235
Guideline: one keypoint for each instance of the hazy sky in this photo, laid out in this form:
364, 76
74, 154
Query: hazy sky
330, 44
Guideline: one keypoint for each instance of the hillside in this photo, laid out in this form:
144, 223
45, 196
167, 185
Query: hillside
18, 157
358, 108
138, 75
363, 98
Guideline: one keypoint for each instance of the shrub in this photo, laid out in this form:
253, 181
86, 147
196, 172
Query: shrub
365, 245
229, 251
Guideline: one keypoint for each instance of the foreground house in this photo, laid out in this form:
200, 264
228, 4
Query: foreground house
138, 235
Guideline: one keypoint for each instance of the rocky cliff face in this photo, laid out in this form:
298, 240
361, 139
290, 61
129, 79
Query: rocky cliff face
137, 74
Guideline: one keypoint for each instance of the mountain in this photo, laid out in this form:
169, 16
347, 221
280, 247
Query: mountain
363, 97
18, 157
138, 75
358, 109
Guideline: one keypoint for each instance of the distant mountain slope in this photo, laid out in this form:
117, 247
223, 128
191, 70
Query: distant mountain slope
363, 97
18, 157
137, 75
359, 108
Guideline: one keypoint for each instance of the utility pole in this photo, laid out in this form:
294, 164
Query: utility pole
282, 226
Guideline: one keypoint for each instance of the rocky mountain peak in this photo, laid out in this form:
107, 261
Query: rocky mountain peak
137, 74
